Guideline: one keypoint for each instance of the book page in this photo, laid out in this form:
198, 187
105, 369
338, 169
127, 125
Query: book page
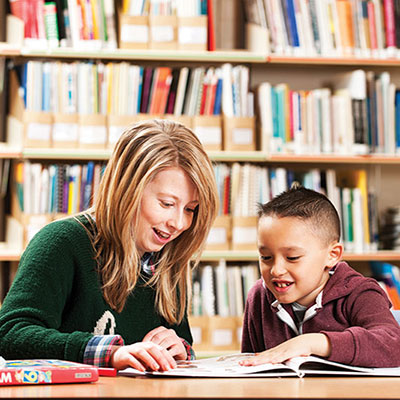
219, 367
315, 365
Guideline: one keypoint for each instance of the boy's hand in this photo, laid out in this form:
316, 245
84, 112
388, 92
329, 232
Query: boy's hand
304, 345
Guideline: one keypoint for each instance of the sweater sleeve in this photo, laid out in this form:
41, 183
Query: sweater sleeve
32, 312
373, 339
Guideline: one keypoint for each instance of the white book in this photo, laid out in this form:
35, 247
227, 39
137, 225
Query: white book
44, 191
36, 182
385, 82
238, 289
227, 94
221, 276
181, 90
265, 192
380, 31
124, 89
281, 180
283, 46
323, 27
326, 119
332, 191
336, 26
358, 223
207, 290
232, 295
74, 22
265, 113
391, 143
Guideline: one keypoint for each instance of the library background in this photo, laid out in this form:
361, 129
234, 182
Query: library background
276, 90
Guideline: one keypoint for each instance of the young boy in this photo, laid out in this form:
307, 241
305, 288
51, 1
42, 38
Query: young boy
307, 301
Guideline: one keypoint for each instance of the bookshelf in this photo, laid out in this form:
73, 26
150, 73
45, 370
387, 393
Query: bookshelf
301, 73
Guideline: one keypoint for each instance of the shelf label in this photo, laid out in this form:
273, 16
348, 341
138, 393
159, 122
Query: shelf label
208, 134
37, 131
134, 33
63, 132
162, 33
192, 35
242, 135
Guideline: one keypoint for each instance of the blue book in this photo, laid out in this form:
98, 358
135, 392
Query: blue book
281, 115
46, 87
89, 184
274, 105
24, 73
381, 270
397, 118
291, 15
140, 85
218, 98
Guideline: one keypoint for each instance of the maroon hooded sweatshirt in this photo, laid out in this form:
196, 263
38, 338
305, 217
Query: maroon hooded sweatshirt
352, 310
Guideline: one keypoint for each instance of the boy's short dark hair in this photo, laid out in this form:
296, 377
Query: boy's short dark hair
305, 204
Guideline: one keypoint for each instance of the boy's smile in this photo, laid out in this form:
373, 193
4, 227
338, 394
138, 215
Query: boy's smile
294, 261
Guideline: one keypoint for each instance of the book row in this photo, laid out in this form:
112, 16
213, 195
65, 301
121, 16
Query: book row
72, 23
92, 24
243, 186
182, 8
359, 114
330, 28
222, 290
85, 110
63, 188
127, 89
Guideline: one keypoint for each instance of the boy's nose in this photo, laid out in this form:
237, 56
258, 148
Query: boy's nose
278, 269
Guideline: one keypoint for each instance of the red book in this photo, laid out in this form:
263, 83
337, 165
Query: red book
31, 372
211, 27
390, 29
372, 25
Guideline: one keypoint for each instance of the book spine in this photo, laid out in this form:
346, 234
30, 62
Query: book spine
390, 29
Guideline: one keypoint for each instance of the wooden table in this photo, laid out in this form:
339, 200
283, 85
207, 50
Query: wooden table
204, 388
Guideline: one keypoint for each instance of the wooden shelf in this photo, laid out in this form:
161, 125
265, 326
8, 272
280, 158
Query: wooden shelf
234, 56
346, 61
249, 255
9, 253
333, 159
63, 154
219, 56
7, 151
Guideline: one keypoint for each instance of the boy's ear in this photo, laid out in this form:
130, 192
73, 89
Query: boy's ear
334, 254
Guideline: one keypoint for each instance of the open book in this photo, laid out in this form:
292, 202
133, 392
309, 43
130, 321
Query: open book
228, 366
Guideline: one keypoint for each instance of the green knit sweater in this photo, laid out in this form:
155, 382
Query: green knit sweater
55, 303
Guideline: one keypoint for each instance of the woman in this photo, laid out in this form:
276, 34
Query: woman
110, 286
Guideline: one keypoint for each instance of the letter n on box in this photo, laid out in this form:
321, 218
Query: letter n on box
244, 233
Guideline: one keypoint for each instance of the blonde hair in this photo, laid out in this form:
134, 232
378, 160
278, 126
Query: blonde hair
142, 152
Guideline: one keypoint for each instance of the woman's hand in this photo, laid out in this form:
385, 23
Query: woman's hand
169, 340
142, 356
